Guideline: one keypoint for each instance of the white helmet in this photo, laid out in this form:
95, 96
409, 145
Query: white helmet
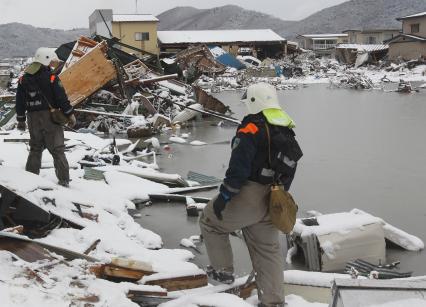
259, 97
45, 55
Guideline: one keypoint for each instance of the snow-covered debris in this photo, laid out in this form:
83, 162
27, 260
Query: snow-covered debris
314, 279
53, 284
187, 243
198, 143
176, 139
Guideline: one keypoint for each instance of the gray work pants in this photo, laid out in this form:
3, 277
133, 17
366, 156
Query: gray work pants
45, 134
248, 211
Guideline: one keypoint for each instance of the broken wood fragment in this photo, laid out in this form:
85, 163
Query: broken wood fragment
133, 294
243, 291
180, 283
92, 247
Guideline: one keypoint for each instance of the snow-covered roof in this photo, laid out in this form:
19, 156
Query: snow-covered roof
133, 17
415, 37
324, 36
360, 47
413, 16
218, 36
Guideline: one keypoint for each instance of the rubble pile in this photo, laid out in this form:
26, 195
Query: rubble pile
352, 80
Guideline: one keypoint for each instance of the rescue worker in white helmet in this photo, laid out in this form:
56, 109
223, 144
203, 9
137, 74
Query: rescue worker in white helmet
39, 93
243, 199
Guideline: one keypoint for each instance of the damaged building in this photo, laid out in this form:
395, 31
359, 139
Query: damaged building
261, 43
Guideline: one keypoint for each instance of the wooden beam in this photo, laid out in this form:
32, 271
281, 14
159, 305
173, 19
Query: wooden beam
180, 283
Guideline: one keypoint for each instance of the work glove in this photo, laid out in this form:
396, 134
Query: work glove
220, 202
22, 126
72, 121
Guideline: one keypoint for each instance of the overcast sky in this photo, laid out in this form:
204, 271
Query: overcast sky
67, 14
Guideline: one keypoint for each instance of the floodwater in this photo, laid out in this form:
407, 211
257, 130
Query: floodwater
362, 149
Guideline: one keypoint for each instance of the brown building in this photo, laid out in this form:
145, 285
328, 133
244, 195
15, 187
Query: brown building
371, 36
411, 43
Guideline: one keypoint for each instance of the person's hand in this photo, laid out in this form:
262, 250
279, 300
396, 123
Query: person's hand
22, 126
219, 205
72, 121
220, 202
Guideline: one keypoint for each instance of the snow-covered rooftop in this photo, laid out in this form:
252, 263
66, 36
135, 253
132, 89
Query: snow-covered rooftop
415, 37
133, 17
361, 47
322, 36
413, 16
218, 36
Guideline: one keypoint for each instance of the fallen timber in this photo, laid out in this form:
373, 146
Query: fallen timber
223, 117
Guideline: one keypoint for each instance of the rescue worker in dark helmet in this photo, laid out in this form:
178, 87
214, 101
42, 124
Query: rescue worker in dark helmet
40, 91
244, 195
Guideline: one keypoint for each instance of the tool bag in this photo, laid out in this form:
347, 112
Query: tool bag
57, 116
282, 207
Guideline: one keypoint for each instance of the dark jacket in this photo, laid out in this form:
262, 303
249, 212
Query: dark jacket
48, 89
250, 156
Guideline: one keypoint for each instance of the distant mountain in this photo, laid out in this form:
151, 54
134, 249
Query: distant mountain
225, 17
18, 39
354, 14
357, 14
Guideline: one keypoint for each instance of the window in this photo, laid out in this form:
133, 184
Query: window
371, 40
415, 28
142, 36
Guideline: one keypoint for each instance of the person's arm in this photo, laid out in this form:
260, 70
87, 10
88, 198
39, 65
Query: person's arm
20, 106
60, 96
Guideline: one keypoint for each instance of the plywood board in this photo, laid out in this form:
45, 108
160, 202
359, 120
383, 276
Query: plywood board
87, 75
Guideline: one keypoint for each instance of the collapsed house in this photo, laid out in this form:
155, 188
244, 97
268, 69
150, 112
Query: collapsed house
357, 55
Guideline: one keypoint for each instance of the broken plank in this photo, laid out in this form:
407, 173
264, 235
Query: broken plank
134, 294
30, 250
92, 247
180, 283
120, 273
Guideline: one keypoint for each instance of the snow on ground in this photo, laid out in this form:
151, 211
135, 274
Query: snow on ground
61, 284
106, 202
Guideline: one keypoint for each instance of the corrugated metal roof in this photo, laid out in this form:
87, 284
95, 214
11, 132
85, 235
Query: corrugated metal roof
359, 47
218, 36
133, 17
413, 16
